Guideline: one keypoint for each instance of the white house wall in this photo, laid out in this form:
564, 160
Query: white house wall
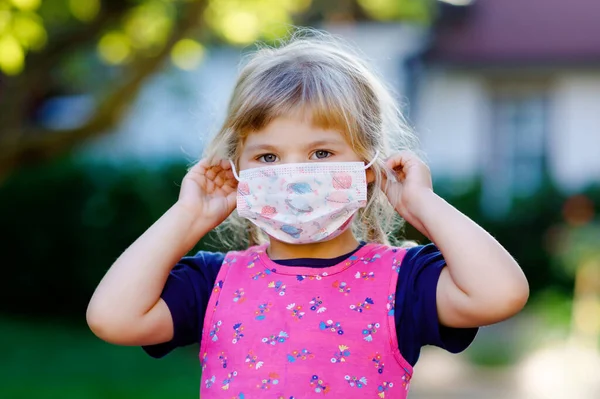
450, 118
574, 148
174, 115
453, 123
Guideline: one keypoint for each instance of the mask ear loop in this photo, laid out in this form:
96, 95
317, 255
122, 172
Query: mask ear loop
234, 171
251, 240
372, 161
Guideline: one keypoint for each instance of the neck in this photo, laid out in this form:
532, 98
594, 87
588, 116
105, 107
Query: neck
338, 246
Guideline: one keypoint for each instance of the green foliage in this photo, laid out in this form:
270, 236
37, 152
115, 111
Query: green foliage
131, 29
553, 310
386, 10
42, 360
64, 224
525, 231
494, 351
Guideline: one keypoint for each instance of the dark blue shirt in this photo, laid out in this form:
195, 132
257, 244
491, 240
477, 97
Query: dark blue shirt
191, 282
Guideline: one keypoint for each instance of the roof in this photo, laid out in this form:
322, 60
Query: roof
520, 32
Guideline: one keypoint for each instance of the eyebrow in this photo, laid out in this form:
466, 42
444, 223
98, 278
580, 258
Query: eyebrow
260, 148
268, 147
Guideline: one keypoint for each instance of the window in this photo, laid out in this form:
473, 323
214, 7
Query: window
516, 147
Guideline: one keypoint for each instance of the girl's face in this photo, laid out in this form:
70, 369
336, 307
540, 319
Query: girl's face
293, 139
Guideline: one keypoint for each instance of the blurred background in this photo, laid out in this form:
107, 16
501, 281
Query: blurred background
104, 103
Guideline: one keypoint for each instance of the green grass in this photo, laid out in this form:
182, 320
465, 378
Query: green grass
57, 361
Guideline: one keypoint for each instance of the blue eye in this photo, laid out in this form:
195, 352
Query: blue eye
268, 158
321, 154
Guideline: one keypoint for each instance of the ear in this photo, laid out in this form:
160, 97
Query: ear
370, 176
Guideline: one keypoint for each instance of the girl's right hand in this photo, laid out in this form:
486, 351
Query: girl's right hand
126, 308
208, 191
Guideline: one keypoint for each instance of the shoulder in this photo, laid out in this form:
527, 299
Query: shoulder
201, 261
413, 263
203, 266
203, 258
419, 268
251, 252
422, 255
383, 250
409, 253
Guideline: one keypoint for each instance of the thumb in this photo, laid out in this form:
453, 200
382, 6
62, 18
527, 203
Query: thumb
231, 201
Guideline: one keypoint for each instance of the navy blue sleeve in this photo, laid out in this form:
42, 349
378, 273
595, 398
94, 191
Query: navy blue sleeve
417, 322
186, 294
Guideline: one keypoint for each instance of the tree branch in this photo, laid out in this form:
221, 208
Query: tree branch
36, 77
42, 144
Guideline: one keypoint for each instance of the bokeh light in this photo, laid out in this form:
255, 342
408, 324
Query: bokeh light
29, 29
187, 54
560, 371
26, 5
243, 22
149, 24
393, 9
84, 10
578, 210
12, 55
114, 48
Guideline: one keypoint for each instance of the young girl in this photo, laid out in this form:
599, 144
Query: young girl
313, 153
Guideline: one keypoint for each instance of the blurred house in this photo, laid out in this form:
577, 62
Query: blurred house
509, 90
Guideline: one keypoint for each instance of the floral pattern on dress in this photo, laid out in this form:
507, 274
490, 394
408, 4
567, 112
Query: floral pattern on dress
362, 306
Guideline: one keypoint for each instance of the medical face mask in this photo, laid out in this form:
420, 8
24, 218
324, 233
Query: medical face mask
304, 202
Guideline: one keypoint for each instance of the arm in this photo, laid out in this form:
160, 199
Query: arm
126, 308
482, 284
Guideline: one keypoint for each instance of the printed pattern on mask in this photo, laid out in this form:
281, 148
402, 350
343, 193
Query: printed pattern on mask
302, 203
304, 332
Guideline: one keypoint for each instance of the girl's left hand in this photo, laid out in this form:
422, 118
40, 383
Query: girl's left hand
412, 182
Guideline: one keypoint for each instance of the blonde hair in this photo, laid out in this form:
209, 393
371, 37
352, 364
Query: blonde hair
313, 71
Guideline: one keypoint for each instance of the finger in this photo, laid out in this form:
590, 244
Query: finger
395, 162
224, 172
394, 169
204, 162
218, 180
232, 200
210, 174
400, 164
207, 164
210, 186
225, 164
200, 167
231, 182
229, 175
401, 158
388, 178
223, 177
213, 172
228, 189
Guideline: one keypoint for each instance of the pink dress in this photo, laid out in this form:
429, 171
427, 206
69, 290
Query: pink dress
274, 331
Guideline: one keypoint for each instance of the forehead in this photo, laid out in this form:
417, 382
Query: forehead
293, 132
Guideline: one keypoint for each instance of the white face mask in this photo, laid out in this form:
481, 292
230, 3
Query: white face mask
303, 202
